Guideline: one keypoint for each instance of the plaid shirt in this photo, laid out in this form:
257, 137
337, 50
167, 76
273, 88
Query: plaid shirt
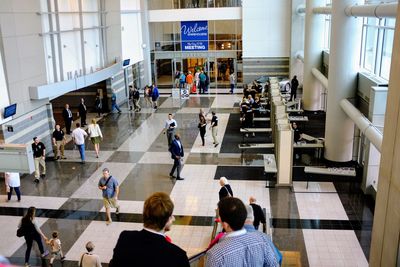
241, 248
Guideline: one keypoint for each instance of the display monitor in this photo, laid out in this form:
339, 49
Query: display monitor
10, 110
126, 62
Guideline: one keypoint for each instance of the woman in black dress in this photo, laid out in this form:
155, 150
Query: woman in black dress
226, 190
202, 127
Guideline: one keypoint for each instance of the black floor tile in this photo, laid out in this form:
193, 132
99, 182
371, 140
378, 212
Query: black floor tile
125, 157
240, 173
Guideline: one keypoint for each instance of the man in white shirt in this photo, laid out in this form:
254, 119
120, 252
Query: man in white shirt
78, 136
169, 128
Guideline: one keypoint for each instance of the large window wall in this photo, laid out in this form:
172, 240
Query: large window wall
178, 4
376, 47
224, 54
73, 35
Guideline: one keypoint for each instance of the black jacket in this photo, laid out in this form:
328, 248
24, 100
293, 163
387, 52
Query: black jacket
223, 192
143, 248
66, 116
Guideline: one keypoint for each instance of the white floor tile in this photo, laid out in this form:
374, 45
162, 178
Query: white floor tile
333, 248
36, 201
323, 187
326, 206
127, 206
90, 156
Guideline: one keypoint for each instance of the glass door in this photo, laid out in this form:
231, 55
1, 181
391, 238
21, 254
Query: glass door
164, 73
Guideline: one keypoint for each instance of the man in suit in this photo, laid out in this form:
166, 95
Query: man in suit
177, 153
150, 247
67, 115
82, 112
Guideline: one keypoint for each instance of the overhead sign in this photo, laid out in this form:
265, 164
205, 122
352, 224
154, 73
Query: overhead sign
194, 35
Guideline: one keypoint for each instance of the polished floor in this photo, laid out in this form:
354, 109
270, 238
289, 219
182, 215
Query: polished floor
327, 224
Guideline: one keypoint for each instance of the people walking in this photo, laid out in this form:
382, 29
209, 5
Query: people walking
154, 96
214, 128
189, 81
58, 143
169, 128
114, 104
68, 118
225, 190
177, 154
232, 80
55, 248
95, 135
294, 84
136, 99
13, 182
78, 136
98, 105
182, 80
147, 96
202, 127
203, 79
82, 111
31, 232
89, 259
110, 190
39, 156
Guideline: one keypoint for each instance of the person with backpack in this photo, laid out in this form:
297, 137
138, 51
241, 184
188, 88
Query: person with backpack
154, 96
29, 229
203, 79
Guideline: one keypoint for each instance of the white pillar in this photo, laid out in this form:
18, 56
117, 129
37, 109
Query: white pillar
343, 67
314, 32
146, 42
297, 40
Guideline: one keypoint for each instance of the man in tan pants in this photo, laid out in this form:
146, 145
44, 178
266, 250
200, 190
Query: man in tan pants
39, 155
58, 143
214, 128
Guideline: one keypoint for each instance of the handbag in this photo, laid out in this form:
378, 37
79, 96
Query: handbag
21, 231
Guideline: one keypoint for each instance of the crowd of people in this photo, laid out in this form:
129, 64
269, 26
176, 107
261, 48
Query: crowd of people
239, 243
197, 83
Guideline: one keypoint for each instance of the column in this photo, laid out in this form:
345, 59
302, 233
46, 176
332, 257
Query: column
343, 68
313, 45
146, 42
297, 40
386, 227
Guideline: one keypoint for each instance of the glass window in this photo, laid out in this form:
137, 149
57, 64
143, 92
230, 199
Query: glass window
386, 53
371, 35
327, 32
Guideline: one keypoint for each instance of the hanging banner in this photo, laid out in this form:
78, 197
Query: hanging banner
194, 35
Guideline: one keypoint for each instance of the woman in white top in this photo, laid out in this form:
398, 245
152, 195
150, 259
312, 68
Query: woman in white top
13, 182
95, 135
89, 259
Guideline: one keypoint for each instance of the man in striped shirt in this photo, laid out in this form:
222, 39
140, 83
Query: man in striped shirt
238, 247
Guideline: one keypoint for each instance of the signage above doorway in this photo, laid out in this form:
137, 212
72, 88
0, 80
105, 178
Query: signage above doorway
194, 35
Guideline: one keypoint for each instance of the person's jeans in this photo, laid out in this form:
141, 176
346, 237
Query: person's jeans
177, 166
115, 106
232, 87
17, 191
81, 149
29, 241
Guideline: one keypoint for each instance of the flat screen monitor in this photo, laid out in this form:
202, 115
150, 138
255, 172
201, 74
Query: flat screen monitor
126, 62
10, 110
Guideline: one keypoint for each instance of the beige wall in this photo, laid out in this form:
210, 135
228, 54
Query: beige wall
386, 228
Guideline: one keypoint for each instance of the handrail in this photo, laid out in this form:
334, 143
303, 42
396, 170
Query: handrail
201, 254
197, 256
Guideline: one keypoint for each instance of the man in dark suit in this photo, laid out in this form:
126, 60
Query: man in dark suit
177, 153
150, 247
67, 115
82, 112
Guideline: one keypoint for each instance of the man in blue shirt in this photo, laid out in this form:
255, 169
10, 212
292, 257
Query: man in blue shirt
154, 96
238, 247
110, 190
